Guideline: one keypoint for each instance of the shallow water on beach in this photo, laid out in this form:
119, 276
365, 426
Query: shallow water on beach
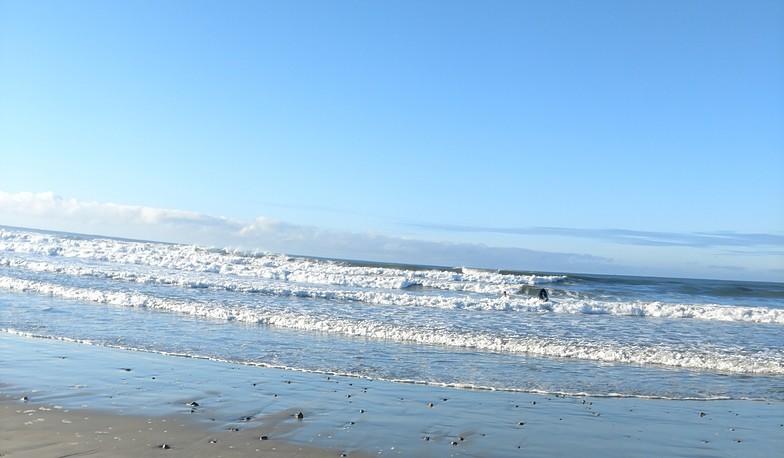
597, 335
367, 417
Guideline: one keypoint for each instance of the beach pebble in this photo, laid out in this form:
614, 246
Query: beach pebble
263, 438
299, 416
165, 446
194, 404
24, 399
702, 414
213, 441
430, 404
453, 443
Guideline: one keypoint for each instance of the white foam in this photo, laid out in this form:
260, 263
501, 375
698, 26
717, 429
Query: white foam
42, 264
277, 275
266, 266
712, 312
425, 334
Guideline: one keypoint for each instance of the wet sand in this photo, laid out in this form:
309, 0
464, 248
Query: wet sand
63, 399
34, 430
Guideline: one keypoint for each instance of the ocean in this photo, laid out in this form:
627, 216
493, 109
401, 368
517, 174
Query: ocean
456, 327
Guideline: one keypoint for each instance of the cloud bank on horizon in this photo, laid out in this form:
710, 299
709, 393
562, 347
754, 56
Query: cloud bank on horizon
645, 238
48, 211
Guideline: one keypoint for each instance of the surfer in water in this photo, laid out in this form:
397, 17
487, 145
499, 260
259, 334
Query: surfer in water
543, 295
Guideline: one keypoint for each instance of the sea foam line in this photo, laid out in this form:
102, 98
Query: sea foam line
391, 291
264, 265
466, 386
367, 328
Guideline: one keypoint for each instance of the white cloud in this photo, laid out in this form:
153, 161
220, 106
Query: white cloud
51, 212
48, 211
27, 204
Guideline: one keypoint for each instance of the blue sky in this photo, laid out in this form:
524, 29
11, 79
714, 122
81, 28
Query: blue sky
642, 138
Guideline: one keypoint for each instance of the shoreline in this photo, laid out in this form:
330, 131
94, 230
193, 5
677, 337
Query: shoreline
127, 403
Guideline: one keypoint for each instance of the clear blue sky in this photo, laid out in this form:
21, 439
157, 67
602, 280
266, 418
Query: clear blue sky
639, 137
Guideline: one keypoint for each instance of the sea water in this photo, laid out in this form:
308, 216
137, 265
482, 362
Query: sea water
458, 327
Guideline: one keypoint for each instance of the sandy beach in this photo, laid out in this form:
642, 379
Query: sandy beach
35, 430
64, 399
